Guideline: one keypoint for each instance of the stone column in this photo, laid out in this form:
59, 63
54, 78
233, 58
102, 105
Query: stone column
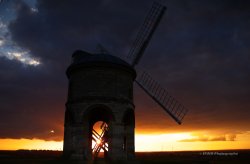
130, 145
116, 151
67, 146
77, 142
87, 142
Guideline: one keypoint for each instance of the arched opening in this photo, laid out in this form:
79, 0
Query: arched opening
100, 119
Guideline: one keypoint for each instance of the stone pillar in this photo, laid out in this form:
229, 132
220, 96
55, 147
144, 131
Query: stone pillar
116, 151
130, 142
87, 151
77, 142
68, 136
67, 144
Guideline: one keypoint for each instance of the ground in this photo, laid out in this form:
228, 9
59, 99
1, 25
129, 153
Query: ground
194, 157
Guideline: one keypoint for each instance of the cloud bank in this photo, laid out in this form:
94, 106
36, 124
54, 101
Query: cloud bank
199, 53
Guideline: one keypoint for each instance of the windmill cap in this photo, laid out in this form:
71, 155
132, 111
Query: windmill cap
82, 58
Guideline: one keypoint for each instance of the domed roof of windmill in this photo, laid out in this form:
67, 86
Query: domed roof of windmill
85, 59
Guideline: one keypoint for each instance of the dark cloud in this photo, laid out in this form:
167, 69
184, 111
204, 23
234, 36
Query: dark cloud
29, 102
200, 53
202, 57
72, 25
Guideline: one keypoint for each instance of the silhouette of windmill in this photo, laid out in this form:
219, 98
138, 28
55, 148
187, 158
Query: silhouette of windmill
170, 105
120, 135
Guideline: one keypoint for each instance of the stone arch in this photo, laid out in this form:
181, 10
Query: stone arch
93, 114
98, 112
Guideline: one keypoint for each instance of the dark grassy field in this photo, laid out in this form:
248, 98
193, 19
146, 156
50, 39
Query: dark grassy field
189, 157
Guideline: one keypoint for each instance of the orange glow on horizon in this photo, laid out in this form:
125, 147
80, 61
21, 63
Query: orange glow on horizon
174, 142
30, 144
143, 142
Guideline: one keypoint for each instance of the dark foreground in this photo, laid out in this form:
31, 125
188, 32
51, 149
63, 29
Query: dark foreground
190, 157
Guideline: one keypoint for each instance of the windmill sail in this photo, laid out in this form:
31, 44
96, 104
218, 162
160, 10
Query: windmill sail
175, 109
100, 140
146, 32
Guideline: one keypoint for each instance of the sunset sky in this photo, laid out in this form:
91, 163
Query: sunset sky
199, 53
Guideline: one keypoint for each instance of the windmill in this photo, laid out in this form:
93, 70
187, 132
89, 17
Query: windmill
101, 89
167, 102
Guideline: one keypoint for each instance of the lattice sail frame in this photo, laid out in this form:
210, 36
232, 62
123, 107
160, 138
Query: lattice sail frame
174, 108
146, 32
102, 138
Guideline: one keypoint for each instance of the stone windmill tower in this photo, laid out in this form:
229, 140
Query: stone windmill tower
101, 89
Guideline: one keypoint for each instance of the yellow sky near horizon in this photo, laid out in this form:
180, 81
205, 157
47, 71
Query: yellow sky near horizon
150, 142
